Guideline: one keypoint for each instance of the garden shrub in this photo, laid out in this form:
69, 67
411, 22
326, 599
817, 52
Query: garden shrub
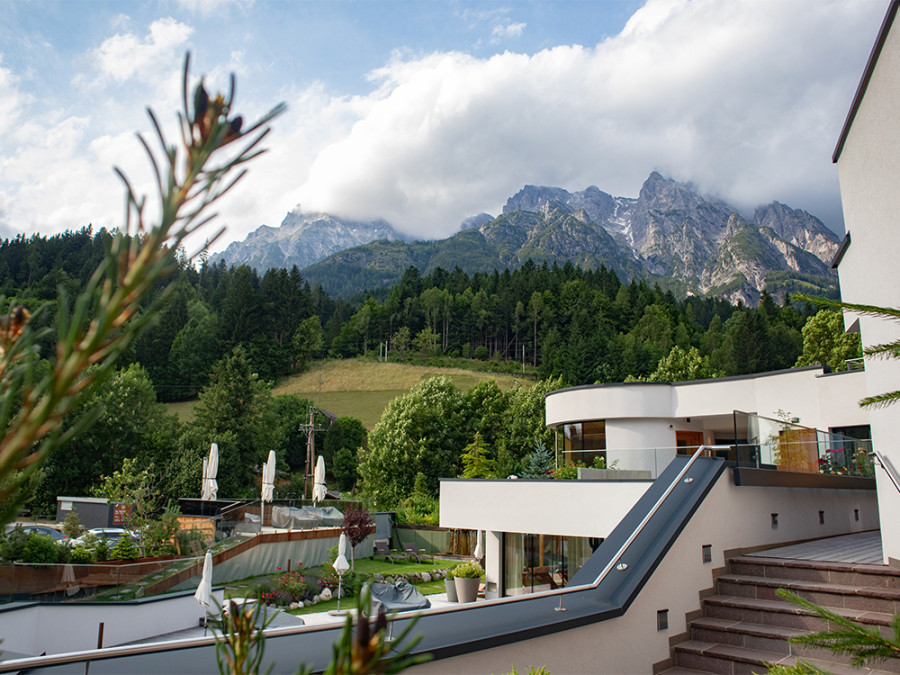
13, 544
101, 550
124, 549
80, 556
40, 549
293, 586
568, 472
71, 526
63, 553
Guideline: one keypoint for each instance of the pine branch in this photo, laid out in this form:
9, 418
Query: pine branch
862, 644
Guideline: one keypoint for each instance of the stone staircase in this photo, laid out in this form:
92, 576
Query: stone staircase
745, 625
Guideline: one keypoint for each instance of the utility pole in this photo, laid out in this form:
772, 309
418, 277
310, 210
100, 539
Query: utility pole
310, 430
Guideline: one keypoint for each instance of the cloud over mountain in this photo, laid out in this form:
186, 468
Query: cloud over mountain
743, 97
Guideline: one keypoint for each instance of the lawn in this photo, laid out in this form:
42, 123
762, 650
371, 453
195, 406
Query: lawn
367, 566
361, 388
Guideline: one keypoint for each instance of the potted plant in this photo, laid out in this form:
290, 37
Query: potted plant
450, 585
467, 579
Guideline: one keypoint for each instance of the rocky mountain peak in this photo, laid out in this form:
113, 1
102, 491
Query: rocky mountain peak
534, 198
799, 228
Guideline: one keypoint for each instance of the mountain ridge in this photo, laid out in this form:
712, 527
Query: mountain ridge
669, 234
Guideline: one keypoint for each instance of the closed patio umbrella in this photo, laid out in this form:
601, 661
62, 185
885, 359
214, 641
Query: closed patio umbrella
268, 483
68, 580
479, 547
340, 563
210, 487
203, 595
318, 494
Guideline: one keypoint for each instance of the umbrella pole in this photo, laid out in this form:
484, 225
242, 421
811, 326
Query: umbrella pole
340, 580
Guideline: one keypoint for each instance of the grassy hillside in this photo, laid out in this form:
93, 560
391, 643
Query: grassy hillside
362, 388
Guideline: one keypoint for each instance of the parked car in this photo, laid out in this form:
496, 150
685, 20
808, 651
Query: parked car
44, 530
111, 534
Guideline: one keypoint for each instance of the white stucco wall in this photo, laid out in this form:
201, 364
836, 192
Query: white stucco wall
730, 517
637, 415
641, 444
575, 508
869, 171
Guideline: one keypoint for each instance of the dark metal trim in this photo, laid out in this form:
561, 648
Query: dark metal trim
842, 249
752, 477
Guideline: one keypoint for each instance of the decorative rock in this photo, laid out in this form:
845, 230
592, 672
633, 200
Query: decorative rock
295, 605
307, 603
316, 599
325, 595
426, 577
378, 577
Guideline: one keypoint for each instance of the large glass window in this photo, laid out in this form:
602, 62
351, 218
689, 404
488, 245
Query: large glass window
540, 562
583, 442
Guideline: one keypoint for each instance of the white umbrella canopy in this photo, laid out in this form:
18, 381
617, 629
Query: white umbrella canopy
204, 588
479, 547
268, 478
340, 564
318, 493
210, 469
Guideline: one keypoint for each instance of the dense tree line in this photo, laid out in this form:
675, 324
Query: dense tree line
563, 321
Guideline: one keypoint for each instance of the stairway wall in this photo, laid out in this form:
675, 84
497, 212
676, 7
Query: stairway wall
731, 517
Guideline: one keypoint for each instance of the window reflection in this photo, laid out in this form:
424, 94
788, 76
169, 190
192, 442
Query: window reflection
583, 442
541, 562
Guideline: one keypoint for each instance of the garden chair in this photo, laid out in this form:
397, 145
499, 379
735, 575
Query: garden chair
418, 555
381, 549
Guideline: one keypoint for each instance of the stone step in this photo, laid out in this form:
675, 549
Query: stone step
785, 614
775, 639
732, 660
831, 595
850, 574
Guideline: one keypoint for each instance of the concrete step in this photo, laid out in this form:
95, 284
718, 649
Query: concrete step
827, 594
775, 639
781, 613
850, 574
732, 660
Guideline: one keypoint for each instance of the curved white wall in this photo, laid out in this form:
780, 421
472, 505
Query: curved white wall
819, 401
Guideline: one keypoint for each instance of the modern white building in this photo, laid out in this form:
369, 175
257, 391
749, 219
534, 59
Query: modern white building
537, 531
868, 161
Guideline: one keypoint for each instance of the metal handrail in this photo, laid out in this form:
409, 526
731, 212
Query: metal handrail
889, 469
112, 652
652, 512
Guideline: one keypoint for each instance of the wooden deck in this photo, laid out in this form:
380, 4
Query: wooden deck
862, 547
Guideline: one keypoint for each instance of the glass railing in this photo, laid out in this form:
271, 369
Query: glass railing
637, 463
784, 445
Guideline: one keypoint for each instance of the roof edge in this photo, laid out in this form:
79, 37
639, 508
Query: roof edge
842, 249
867, 75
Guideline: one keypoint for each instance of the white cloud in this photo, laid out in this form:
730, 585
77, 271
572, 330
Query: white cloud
743, 97
125, 55
506, 31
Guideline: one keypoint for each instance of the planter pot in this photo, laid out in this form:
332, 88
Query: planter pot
467, 589
450, 585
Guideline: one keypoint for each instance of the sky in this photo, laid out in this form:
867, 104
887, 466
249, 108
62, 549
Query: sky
425, 113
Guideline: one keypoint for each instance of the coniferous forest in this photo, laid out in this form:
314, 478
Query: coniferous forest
582, 325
